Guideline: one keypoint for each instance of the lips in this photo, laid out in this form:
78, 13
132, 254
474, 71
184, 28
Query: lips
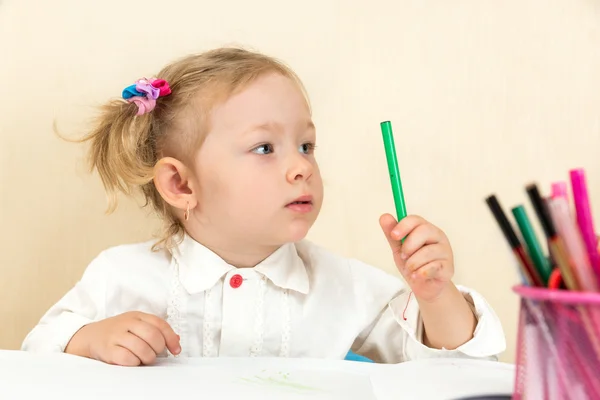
302, 205
302, 200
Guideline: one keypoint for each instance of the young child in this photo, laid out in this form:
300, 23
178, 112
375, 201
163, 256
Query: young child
222, 146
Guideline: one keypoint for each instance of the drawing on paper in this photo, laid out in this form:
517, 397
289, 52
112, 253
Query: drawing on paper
277, 380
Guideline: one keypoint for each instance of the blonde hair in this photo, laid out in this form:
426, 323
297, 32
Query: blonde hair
124, 147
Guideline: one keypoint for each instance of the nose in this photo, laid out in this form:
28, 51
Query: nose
300, 169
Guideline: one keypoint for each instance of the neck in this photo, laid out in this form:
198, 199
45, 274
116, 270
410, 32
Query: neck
236, 253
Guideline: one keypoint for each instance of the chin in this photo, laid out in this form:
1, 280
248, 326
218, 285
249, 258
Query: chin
298, 231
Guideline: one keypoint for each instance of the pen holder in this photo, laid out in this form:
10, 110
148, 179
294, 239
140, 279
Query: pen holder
558, 344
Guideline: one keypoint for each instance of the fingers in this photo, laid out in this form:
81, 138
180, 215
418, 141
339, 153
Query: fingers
432, 270
169, 335
429, 255
415, 231
388, 223
122, 356
406, 226
149, 334
422, 235
138, 347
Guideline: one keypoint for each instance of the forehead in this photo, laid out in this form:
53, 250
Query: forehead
271, 99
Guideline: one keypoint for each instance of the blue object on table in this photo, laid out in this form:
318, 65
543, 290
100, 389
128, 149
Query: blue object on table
355, 357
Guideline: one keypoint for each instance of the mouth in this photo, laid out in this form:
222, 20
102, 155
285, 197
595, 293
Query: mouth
303, 200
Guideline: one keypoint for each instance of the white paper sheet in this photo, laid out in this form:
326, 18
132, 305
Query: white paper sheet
65, 377
442, 379
218, 378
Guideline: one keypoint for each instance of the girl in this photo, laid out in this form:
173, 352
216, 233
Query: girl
222, 147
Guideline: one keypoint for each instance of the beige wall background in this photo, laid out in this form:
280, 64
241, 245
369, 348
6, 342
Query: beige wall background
484, 97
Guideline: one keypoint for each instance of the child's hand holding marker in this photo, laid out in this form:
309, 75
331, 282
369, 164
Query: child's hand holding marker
423, 256
425, 259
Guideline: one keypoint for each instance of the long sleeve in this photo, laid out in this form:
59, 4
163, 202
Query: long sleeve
395, 334
83, 304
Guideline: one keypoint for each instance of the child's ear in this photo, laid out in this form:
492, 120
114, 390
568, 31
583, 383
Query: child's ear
175, 183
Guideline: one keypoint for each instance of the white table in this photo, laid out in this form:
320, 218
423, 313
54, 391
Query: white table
61, 376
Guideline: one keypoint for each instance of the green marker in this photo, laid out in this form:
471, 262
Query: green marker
392, 162
533, 246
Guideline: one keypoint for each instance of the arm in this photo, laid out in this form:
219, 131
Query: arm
393, 327
78, 325
425, 260
83, 304
448, 319
396, 334
438, 319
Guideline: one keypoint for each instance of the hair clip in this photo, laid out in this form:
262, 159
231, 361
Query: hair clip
145, 92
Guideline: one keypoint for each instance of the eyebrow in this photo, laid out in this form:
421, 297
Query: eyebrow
275, 127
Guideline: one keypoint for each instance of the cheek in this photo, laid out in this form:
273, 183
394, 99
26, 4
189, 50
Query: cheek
215, 185
245, 190
318, 180
212, 192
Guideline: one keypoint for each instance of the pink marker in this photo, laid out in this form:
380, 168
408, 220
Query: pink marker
584, 217
559, 190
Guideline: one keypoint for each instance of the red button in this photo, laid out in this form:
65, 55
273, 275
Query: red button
236, 281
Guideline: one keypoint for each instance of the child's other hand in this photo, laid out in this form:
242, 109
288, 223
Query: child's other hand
425, 260
128, 339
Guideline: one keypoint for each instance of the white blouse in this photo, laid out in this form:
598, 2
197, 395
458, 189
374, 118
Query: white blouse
302, 301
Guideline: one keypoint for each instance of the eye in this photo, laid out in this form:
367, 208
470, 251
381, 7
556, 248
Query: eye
263, 149
307, 148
